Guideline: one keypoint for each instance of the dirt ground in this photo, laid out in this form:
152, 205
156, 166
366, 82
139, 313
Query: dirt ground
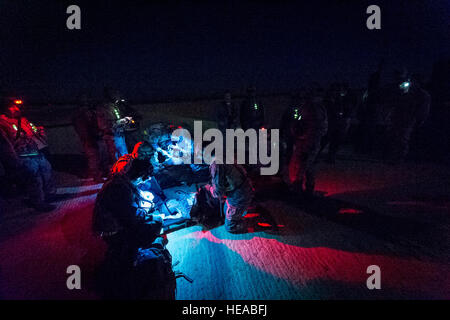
366, 213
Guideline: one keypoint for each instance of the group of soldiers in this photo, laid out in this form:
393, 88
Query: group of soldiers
317, 118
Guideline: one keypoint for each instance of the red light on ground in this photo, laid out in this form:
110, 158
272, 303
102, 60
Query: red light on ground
263, 224
349, 211
251, 215
18, 101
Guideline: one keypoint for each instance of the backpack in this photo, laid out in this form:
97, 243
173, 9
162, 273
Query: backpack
153, 276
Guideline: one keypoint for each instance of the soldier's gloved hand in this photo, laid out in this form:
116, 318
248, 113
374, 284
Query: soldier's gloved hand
157, 219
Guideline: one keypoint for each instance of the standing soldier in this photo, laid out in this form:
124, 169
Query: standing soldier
84, 121
231, 181
371, 115
22, 143
308, 132
289, 121
341, 107
411, 109
227, 114
114, 119
252, 111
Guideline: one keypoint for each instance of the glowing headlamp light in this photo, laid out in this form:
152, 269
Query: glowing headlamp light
147, 199
405, 84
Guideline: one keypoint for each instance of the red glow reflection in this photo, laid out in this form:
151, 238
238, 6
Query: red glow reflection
349, 211
251, 215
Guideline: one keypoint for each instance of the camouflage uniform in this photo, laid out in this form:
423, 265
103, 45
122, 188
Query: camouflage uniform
112, 134
232, 181
35, 172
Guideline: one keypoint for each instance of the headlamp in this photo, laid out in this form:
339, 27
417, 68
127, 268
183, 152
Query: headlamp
405, 84
147, 199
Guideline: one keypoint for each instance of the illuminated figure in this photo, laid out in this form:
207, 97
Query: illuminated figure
27, 162
114, 120
169, 154
137, 264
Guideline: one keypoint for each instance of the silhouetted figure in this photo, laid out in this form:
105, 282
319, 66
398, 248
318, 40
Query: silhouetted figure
411, 109
341, 107
85, 123
227, 114
137, 265
289, 121
308, 132
252, 111
371, 128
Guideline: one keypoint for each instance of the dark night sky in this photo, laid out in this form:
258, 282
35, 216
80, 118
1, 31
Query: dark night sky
155, 50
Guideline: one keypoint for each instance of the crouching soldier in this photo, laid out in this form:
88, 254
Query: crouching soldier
23, 144
231, 181
137, 264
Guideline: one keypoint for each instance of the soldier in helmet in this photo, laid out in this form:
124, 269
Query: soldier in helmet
309, 128
114, 120
21, 150
84, 121
227, 114
252, 111
411, 109
341, 107
132, 236
289, 120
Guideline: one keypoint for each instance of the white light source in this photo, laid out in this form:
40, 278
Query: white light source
148, 196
